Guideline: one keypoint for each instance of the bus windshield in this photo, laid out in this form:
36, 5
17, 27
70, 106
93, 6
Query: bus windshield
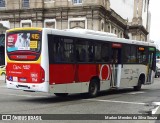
24, 43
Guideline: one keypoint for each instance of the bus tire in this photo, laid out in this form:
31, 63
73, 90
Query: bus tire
138, 87
93, 88
61, 94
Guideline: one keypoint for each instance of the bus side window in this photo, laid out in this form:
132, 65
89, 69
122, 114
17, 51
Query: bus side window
77, 55
105, 52
58, 49
115, 57
68, 50
90, 54
127, 52
142, 55
83, 55
56, 53
98, 56
81, 50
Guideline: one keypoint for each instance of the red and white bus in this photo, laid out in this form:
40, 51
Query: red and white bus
76, 61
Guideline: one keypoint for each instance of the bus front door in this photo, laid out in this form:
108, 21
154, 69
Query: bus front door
151, 67
116, 67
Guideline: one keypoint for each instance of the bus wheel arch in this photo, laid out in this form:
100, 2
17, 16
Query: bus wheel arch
141, 81
94, 86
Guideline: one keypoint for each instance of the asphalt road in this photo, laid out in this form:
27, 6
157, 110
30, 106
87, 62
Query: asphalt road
123, 101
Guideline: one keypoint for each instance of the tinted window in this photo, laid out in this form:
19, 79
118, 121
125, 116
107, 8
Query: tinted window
133, 53
60, 49
126, 53
84, 51
98, 54
102, 52
141, 55
105, 52
130, 54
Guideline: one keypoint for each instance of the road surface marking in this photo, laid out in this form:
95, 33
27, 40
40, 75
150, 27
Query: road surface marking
4, 86
156, 107
22, 95
141, 92
113, 101
110, 101
155, 110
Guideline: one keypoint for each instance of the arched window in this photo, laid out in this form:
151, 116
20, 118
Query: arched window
109, 28
102, 25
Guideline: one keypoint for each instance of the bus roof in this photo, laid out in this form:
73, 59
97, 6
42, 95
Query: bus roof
85, 33
24, 28
103, 37
92, 32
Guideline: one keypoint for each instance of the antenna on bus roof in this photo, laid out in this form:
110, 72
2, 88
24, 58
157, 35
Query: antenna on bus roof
91, 32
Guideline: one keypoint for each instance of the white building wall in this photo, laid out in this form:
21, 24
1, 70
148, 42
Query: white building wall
149, 25
144, 14
125, 8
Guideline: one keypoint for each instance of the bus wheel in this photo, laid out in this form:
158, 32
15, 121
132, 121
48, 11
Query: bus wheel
93, 88
138, 87
61, 94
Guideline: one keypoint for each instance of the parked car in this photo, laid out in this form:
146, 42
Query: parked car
157, 73
2, 70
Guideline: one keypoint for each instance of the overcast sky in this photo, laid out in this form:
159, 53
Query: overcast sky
155, 21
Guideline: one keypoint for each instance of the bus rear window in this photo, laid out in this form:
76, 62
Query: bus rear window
23, 41
23, 45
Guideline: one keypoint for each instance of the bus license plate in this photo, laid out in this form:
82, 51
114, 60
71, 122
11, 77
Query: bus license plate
22, 79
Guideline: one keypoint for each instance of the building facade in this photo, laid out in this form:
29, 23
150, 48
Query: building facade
125, 18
